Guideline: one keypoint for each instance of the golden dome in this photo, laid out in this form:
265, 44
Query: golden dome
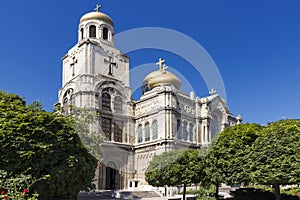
97, 16
161, 78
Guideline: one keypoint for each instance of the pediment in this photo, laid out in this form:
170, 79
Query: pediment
216, 102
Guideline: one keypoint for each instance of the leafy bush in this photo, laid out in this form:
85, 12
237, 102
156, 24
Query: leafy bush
252, 194
16, 187
291, 191
203, 191
37, 143
258, 194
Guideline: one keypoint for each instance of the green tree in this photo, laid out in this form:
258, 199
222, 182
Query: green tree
227, 158
43, 144
91, 139
175, 168
276, 155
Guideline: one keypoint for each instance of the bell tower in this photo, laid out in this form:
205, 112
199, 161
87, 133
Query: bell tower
96, 76
92, 62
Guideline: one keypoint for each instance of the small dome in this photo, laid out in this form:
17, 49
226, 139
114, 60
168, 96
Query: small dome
97, 16
161, 78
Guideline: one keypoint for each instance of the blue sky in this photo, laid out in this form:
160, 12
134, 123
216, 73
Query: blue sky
255, 45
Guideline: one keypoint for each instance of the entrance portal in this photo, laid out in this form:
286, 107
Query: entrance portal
112, 177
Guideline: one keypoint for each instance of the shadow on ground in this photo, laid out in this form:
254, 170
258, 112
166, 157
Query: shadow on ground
258, 194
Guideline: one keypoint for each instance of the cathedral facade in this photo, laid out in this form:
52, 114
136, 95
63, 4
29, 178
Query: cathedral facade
96, 76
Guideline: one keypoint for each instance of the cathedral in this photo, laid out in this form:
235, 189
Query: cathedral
95, 75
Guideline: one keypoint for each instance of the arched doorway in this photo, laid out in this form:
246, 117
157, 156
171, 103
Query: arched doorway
112, 177
111, 174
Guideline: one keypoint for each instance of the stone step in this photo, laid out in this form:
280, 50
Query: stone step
138, 195
107, 195
124, 195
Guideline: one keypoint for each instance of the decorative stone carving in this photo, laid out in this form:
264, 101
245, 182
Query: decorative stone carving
189, 109
146, 107
204, 100
73, 54
76, 52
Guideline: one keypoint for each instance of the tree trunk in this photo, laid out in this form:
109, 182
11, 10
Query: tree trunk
184, 191
276, 187
217, 191
166, 190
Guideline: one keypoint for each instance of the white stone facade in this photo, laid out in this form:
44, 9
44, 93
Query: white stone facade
96, 76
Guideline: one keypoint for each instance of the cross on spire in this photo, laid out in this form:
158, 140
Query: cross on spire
212, 92
98, 6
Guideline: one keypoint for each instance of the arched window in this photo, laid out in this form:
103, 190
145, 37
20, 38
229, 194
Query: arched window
185, 132
71, 103
147, 132
154, 130
92, 30
81, 33
72, 99
106, 128
191, 134
145, 87
179, 129
118, 103
66, 105
106, 100
67, 100
140, 134
118, 130
105, 33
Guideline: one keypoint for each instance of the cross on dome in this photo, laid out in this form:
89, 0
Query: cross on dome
98, 6
162, 66
160, 63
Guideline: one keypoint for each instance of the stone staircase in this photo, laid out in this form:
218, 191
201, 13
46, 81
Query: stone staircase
124, 195
138, 195
96, 195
